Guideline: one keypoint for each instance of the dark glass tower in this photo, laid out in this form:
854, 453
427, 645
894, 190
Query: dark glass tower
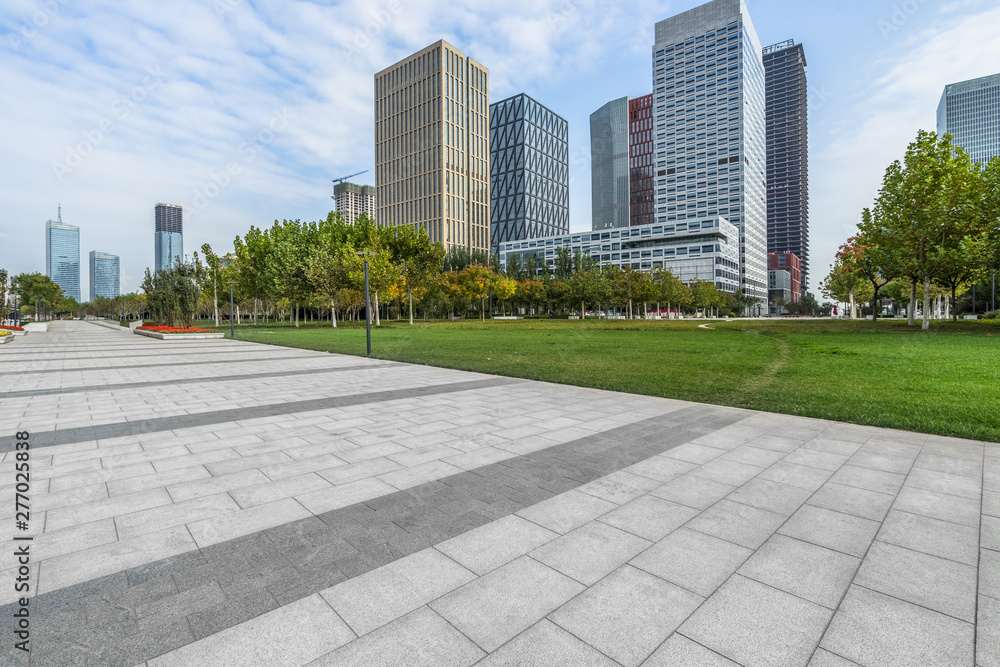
787, 152
529, 171
169, 235
610, 185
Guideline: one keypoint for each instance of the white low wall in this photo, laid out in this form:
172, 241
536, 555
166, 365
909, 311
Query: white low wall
179, 336
36, 326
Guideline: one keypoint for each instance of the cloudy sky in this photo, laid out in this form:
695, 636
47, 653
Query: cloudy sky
244, 110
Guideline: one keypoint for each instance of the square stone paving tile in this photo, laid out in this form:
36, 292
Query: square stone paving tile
649, 517
823, 658
567, 511
944, 482
496, 607
694, 453
989, 573
693, 560
931, 536
679, 651
628, 614
661, 468
834, 530
792, 474
380, 596
868, 478
757, 625
939, 505
876, 630
851, 500
774, 497
741, 524
723, 471
497, 543
876, 458
545, 644
991, 503
693, 491
988, 632
619, 487
755, 456
816, 459
591, 552
812, 572
419, 639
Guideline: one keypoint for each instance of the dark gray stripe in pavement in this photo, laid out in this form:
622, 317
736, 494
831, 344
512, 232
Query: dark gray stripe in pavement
133, 616
159, 424
214, 378
201, 362
163, 351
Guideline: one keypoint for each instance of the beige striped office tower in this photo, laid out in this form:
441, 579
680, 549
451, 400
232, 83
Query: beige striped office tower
432, 146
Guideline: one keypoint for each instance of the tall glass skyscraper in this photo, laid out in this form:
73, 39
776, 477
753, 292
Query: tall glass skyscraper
62, 256
169, 235
642, 160
609, 165
708, 119
970, 112
529, 171
432, 146
105, 279
787, 152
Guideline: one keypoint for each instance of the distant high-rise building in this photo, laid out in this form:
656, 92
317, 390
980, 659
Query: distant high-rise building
62, 256
529, 171
642, 158
432, 146
352, 200
105, 279
784, 277
610, 189
970, 112
708, 117
169, 235
787, 99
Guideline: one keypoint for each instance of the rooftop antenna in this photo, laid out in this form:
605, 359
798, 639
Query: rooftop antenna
60, 212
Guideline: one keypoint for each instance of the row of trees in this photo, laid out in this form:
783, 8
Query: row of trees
320, 266
935, 226
309, 270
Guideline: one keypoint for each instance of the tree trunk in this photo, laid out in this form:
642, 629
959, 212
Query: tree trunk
215, 296
378, 320
854, 307
630, 309
645, 310
875, 304
952, 305
255, 321
911, 310
333, 315
927, 304
410, 294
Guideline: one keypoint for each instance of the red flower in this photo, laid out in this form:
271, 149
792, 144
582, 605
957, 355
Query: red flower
169, 330
10, 328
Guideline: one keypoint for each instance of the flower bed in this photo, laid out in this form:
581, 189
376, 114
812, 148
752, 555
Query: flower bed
7, 327
6, 336
177, 333
175, 330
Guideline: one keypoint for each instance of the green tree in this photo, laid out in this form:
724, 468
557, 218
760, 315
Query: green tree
417, 257
37, 289
172, 294
252, 273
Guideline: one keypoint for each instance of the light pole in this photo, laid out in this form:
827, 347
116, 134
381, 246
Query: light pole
368, 306
232, 327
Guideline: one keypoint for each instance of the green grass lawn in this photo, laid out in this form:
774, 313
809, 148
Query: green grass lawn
945, 381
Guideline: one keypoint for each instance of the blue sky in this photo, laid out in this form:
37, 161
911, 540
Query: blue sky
243, 110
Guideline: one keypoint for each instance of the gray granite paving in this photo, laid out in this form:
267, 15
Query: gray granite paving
289, 513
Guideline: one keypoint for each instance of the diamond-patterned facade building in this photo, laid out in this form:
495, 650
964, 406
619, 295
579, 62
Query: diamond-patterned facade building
529, 171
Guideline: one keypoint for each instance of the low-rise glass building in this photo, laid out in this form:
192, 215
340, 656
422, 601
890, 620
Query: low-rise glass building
692, 250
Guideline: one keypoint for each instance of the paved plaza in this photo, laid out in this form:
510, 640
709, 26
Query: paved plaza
229, 503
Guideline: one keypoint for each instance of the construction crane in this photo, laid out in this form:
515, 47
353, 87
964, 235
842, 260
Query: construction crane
341, 180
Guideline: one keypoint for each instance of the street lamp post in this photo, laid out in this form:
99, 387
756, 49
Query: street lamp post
368, 305
232, 327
